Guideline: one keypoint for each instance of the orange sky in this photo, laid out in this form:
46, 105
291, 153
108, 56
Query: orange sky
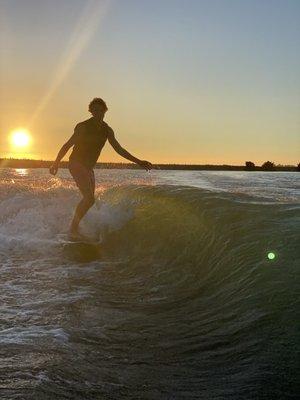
184, 82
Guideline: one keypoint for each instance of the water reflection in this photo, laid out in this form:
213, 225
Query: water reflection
21, 171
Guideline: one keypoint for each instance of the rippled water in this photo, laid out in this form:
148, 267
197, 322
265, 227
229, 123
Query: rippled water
180, 301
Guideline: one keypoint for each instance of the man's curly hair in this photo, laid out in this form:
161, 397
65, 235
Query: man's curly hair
97, 100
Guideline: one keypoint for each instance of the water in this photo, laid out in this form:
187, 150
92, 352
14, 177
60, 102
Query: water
182, 303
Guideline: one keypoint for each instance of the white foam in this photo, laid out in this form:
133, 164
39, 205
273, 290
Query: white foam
33, 215
105, 217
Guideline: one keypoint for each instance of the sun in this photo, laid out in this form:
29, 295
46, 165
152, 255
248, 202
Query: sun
20, 138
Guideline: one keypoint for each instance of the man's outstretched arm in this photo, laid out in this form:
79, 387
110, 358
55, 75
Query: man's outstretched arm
63, 151
124, 153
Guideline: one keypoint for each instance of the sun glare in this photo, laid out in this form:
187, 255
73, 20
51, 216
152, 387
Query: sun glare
20, 138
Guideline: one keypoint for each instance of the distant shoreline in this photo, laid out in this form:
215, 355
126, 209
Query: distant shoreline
27, 163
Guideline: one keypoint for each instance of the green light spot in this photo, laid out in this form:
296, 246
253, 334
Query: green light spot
271, 256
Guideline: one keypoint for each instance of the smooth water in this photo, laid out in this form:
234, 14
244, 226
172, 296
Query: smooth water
182, 303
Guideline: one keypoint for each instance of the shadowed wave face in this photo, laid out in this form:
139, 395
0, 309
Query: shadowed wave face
181, 301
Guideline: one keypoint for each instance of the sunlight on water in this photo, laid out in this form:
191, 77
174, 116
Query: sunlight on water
21, 171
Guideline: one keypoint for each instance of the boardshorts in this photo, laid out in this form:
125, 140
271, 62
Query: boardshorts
84, 178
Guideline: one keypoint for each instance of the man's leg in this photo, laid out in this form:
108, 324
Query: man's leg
85, 181
82, 208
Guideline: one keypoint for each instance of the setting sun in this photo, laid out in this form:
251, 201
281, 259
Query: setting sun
20, 138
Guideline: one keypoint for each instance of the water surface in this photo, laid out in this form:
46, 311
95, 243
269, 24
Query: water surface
182, 302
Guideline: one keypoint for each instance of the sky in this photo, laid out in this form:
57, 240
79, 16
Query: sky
191, 82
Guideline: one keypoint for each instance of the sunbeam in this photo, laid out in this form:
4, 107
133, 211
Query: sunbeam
93, 13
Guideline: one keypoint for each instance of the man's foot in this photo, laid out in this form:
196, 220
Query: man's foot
75, 236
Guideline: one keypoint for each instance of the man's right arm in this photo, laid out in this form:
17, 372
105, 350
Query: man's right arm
64, 149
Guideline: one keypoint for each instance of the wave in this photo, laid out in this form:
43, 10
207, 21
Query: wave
175, 224
183, 274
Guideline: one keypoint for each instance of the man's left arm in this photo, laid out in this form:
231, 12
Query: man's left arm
124, 153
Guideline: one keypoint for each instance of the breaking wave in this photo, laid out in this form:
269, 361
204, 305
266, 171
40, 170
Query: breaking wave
183, 277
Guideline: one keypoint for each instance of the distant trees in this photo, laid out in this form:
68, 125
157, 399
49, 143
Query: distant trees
268, 166
249, 166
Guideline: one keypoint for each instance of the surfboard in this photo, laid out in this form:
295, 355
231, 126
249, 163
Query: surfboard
81, 250
65, 238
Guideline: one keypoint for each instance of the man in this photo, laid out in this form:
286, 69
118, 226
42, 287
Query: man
88, 140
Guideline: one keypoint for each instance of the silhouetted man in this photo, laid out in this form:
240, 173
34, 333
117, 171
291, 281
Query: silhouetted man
88, 140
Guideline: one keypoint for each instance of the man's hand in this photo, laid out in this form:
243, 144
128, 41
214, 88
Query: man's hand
145, 164
53, 169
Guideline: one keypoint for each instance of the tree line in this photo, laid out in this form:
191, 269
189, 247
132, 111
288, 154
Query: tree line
268, 166
249, 165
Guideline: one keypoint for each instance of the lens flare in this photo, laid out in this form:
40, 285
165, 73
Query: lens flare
271, 255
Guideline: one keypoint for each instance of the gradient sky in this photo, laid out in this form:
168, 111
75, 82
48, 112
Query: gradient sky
194, 81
